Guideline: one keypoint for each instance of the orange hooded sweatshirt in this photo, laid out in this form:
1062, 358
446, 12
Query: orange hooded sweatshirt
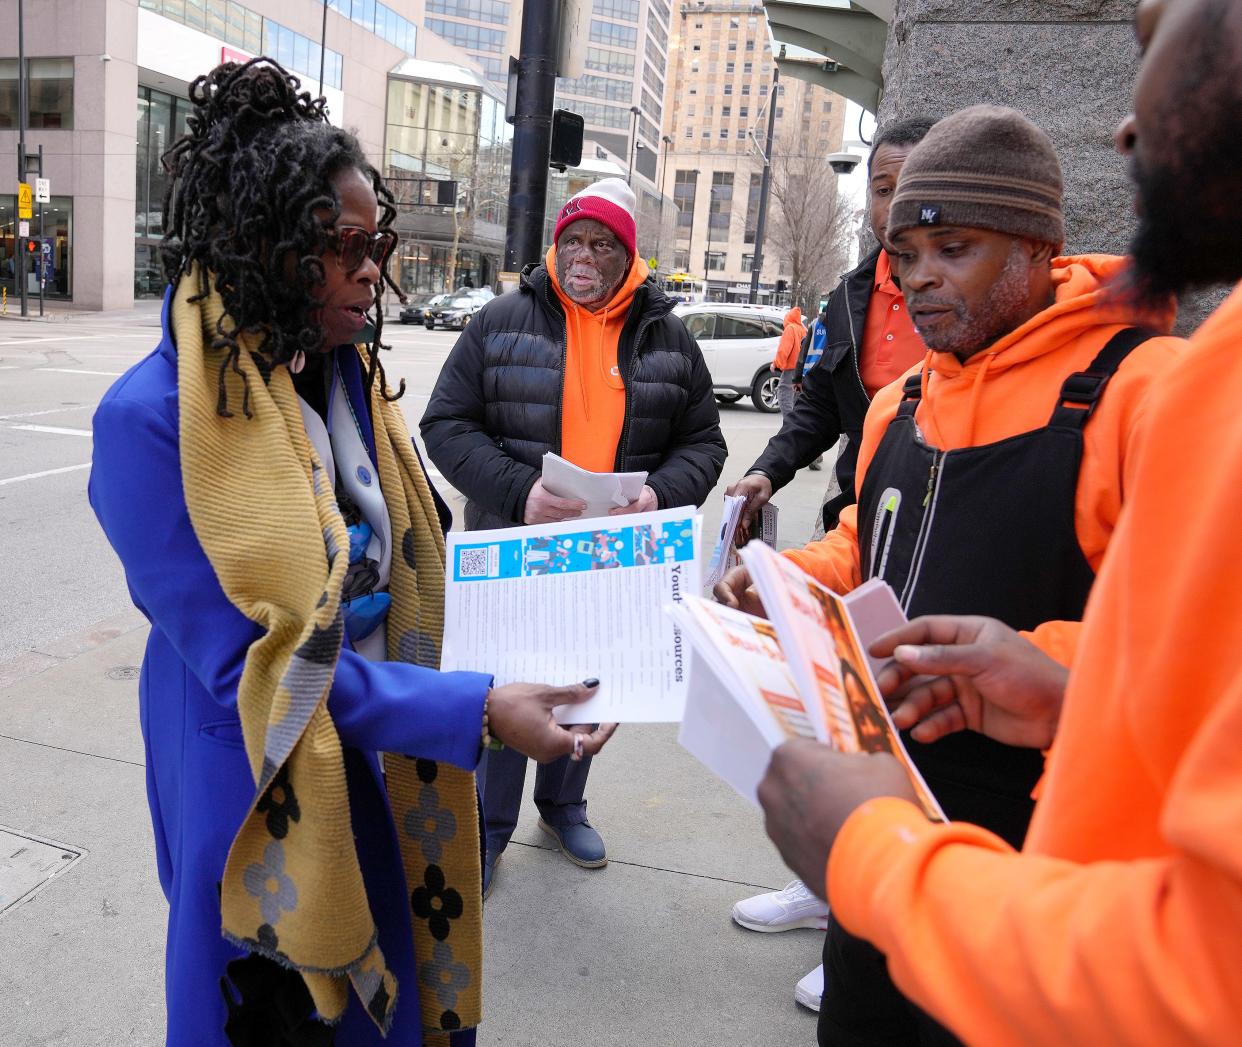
791, 341
1121, 921
593, 398
1011, 388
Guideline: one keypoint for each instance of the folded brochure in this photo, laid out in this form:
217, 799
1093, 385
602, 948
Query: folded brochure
724, 555
602, 492
802, 672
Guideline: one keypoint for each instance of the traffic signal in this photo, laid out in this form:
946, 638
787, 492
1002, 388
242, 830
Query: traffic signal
32, 246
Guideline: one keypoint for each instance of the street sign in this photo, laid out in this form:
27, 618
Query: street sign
25, 202
43, 190
23, 228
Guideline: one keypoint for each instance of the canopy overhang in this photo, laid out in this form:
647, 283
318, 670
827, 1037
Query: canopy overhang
833, 43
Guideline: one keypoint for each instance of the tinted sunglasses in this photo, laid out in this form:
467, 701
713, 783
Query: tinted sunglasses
354, 245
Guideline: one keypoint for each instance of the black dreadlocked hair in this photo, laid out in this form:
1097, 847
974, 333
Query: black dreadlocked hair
250, 199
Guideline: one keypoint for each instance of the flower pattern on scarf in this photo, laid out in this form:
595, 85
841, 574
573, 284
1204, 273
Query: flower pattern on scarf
443, 975
430, 824
280, 804
268, 882
436, 903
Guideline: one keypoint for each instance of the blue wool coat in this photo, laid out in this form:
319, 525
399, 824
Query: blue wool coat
198, 779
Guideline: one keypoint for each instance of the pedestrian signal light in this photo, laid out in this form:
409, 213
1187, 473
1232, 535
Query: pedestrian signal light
32, 246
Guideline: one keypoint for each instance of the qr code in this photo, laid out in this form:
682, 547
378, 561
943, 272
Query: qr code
472, 563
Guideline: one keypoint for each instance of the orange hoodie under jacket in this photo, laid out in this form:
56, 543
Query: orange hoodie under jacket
1011, 388
593, 399
1121, 921
791, 341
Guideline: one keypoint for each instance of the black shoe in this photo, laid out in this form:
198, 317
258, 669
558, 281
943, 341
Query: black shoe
489, 873
580, 843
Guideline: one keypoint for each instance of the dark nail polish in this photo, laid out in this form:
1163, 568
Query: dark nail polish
592, 682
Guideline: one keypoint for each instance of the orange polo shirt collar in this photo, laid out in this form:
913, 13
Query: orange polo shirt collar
891, 345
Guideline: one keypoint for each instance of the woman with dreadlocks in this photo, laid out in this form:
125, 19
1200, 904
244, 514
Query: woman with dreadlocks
309, 770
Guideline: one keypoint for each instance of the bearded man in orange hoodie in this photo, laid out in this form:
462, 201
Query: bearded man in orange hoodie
1121, 920
586, 360
990, 476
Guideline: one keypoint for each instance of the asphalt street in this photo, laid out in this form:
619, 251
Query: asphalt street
59, 574
640, 953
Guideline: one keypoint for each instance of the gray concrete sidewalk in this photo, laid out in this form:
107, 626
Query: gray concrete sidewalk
641, 953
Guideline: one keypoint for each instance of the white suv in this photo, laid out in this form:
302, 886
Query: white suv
739, 344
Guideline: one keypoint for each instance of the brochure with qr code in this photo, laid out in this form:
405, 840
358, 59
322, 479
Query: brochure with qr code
559, 603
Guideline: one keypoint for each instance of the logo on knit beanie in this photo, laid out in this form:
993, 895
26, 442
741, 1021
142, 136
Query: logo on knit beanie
929, 214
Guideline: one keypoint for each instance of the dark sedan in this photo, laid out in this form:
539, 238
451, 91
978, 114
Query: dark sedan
415, 309
453, 314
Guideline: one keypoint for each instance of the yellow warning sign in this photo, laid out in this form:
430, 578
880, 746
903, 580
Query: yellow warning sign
25, 201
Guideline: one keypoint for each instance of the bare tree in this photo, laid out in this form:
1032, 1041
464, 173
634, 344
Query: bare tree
811, 225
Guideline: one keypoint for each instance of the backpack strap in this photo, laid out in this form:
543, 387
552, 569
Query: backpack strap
911, 394
1081, 391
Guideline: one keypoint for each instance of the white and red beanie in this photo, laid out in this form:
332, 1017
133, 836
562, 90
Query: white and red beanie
610, 202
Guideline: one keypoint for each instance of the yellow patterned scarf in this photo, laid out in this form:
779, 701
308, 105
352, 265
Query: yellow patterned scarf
265, 512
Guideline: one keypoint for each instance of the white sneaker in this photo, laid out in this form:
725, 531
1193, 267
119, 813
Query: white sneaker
795, 906
811, 990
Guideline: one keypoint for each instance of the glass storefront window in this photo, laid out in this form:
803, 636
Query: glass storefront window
161, 121
51, 92
56, 230
50, 82
195, 14
8, 92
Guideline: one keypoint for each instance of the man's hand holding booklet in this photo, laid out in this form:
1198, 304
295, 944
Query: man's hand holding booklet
802, 672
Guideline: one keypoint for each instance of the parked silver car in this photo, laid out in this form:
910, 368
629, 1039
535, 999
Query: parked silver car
739, 344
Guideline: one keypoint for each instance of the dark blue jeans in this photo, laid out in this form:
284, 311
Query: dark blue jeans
559, 788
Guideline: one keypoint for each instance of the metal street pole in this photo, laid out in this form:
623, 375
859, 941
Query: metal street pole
764, 187
20, 241
634, 111
690, 232
42, 258
711, 199
667, 142
323, 39
535, 92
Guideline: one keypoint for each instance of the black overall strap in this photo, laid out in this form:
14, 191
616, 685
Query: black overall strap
911, 393
1081, 391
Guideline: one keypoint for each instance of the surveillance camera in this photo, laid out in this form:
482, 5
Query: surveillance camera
843, 163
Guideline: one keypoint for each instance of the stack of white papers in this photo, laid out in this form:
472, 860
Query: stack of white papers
602, 492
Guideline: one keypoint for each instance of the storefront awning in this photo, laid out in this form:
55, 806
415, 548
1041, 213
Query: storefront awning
833, 43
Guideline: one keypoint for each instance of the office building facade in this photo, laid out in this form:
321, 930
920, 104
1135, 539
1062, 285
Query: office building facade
720, 87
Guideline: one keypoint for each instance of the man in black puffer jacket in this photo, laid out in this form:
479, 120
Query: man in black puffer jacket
586, 360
